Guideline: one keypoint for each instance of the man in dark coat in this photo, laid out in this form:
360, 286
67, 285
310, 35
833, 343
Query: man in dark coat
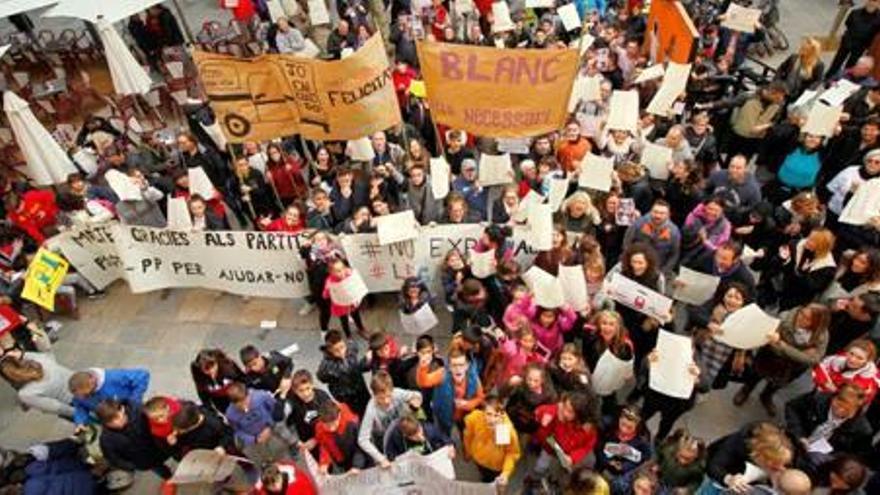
126, 441
834, 421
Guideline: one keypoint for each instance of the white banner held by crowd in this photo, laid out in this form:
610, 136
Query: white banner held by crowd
638, 297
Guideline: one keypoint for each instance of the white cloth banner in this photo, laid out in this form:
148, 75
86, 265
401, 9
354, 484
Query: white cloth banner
258, 264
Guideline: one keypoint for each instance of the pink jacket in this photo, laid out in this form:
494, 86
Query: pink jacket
551, 338
516, 358
518, 313
337, 309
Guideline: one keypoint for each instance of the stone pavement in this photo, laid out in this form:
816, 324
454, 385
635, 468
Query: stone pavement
164, 333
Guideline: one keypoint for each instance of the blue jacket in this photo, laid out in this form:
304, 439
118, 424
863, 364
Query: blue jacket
248, 425
477, 199
443, 402
124, 385
800, 168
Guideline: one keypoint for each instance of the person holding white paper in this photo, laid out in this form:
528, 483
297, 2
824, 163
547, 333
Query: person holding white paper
469, 187
756, 452
572, 148
831, 423
605, 332
713, 355
349, 284
560, 253
670, 408
578, 214
619, 145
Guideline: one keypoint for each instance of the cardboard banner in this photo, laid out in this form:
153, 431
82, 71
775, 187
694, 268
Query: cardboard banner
279, 95
44, 275
498, 93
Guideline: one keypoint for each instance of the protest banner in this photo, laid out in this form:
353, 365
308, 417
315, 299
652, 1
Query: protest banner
638, 297
500, 93
279, 95
44, 275
258, 264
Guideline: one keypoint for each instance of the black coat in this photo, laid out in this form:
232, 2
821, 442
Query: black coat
211, 433
278, 367
212, 391
803, 414
213, 165
304, 415
345, 379
729, 454
133, 447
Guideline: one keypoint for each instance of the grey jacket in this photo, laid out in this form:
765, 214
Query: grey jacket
50, 394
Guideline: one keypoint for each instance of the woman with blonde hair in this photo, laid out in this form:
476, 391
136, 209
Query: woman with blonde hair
578, 214
41, 382
808, 268
802, 70
762, 445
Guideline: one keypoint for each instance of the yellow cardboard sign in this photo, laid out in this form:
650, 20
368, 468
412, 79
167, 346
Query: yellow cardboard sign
44, 275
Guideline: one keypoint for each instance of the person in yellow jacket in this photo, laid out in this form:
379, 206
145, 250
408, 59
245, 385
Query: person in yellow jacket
490, 441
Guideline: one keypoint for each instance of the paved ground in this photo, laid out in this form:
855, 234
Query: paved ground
164, 334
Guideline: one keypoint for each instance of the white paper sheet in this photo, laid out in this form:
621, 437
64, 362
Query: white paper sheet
522, 212
740, 18
360, 150
673, 85
558, 188
178, 214
502, 434
495, 170
670, 374
501, 15
753, 473
568, 14
419, 322
397, 227
546, 288
200, 184
482, 264
574, 286
349, 291
650, 73
122, 185
540, 4
318, 12
839, 92
657, 159
638, 297
805, 98
747, 328
584, 45
820, 446
175, 68
439, 177
611, 374
540, 222
624, 113
864, 204
698, 286
822, 120
258, 161
596, 172
519, 146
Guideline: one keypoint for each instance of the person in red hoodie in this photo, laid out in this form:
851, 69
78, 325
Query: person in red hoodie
339, 271
336, 433
291, 221
33, 211
402, 77
160, 412
285, 478
567, 432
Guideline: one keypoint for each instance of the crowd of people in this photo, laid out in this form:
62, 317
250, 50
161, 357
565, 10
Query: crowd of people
750, 198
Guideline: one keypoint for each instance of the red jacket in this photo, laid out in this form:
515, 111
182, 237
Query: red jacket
35, 212
298, 481
831, 373
576, 440
161, 430
281, 225
326, 438
402, 80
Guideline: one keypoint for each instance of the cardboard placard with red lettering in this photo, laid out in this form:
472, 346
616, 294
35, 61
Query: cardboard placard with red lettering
498, 93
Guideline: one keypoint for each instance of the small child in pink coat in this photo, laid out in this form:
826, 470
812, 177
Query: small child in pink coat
549, 324
338, 271
520, 311
519, 352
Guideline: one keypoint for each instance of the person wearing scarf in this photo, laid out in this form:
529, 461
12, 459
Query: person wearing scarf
854, 365
845, 184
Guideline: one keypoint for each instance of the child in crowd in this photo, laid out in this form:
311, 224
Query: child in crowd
458, 390
385, 355
336, 434
519, 352
342, 370
524, 394
550, 324
567, 433
251, 414
213, 372
520, 311
491, 441
304, 404
455, 272
568, 371
388, 404
91, 387
409, 434
338, 271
